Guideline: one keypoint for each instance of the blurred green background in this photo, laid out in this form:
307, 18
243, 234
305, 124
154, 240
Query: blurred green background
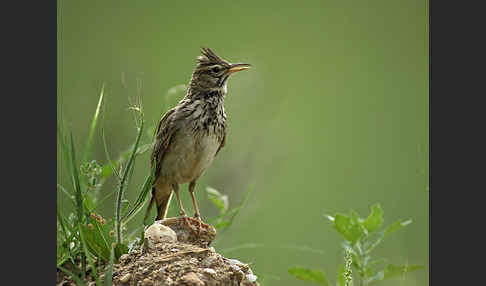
333, 116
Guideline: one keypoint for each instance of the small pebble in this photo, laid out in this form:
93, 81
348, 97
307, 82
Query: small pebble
209, 261
192, 279
124, 258
161, 273
251, 277
209, 271
235, 267
125, 278
193, 260
234, 261
147, 282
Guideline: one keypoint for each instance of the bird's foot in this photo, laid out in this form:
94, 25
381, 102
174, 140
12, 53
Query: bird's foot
199, 221
187, 221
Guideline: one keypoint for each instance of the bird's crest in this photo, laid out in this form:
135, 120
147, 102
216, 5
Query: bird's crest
208, 57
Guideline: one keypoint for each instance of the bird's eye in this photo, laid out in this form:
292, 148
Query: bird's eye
215, 70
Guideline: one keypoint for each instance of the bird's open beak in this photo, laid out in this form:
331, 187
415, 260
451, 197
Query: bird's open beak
238, 67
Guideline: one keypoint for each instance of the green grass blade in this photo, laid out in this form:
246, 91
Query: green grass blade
75, 278
141, 199
76, 184
93, 125
111, 167
111, 164
96, 240
66, 192
100, 202
64, 149
85, 249
130, 172
60, 218
125, 175
109, 270
67, 237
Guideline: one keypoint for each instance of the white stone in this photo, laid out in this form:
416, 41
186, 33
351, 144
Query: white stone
209, 271
251, 277
160, 233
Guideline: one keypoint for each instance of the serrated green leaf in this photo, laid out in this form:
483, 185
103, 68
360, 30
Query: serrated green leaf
348, 228
219, 200
221, 225
307, 274
375, 219
391, 271
355, 217
378, 276
396, 226
400, 270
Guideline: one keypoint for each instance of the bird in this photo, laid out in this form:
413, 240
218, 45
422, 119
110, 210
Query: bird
191, 134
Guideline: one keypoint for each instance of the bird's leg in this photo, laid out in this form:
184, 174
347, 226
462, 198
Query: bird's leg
183, 212
197, 215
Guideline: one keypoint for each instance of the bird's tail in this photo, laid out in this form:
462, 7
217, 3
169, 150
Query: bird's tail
163, 206
162, 200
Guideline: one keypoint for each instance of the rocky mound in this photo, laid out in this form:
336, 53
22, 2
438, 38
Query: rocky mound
176, 252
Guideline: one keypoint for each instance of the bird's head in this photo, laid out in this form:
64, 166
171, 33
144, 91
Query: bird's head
212, 72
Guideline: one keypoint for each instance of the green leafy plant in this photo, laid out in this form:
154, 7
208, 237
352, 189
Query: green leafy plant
85, 237
361, 237
226, 216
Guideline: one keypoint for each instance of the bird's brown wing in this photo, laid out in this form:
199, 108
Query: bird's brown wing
165, 131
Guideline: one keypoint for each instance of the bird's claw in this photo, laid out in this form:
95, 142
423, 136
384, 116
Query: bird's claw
199, 222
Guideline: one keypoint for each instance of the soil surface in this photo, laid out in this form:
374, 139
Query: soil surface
187, 260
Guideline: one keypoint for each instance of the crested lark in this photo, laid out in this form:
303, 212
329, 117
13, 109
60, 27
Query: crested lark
191, 134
